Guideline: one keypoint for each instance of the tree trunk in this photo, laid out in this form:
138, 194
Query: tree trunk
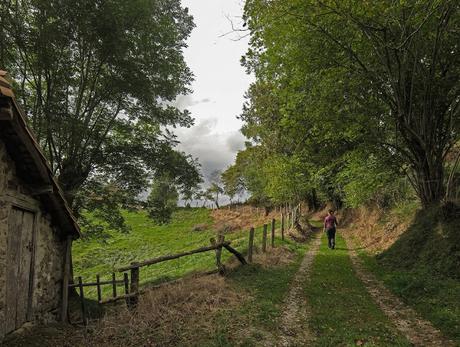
312, 200
429, 177
71, 178
267, 210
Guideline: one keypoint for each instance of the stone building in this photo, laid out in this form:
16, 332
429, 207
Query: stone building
36, 225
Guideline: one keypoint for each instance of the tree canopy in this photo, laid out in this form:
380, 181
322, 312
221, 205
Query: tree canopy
351, 95
97, 80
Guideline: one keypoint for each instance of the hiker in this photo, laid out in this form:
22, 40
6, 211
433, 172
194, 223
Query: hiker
330, 222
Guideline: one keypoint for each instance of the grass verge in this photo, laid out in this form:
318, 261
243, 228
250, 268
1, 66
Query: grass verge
422, 266
265, 285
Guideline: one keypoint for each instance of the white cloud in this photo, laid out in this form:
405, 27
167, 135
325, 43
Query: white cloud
214, 150
187, 101
219, 86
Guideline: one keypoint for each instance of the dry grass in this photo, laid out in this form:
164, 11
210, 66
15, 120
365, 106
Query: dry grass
172, 315
180, 314
184, 313
366, 226
278, 256
240, 218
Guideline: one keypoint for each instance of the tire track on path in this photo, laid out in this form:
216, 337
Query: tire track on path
417, 330
294, 315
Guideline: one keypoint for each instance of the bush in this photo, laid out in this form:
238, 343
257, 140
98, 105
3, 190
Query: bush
162, 200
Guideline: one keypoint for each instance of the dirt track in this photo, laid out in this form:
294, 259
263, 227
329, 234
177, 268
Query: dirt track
417, 330
294, 316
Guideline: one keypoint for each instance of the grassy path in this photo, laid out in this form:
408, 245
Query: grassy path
417, 330
342, 311
294, 325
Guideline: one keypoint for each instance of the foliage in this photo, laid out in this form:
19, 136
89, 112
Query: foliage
333, 78
97, 81
162, 200
232, 182
215, 189
367, 179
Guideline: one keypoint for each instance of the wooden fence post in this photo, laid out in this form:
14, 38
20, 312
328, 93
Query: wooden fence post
126, 283
98, 285
220, 240
273, 232
251, 244
66, 279
264, 239
282, 226
82, 301
114, 285
134, 285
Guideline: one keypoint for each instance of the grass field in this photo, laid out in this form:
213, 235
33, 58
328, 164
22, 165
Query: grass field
148, 240
244, 307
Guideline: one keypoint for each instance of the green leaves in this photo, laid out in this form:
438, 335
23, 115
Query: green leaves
336, 80
162, 200
97, 80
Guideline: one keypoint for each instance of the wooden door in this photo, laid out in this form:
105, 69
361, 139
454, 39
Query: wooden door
18, 267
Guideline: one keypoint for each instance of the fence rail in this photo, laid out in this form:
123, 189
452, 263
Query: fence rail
131, 281
171, 257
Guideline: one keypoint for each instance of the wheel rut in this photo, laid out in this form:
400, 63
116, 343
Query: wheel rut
295, 312
417, 330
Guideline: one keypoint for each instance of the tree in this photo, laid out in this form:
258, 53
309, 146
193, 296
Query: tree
162, 200
97, 81
215, 189
232, 182
380, 77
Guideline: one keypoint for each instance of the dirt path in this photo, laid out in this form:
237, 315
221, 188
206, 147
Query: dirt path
294, 315
417, 330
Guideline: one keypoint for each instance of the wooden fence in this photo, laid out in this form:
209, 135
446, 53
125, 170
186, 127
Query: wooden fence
99, 284
131, 281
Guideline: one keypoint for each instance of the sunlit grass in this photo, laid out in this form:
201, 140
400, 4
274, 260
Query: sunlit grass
148, 240
342, 311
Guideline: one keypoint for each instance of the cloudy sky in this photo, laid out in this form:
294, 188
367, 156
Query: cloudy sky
219, 86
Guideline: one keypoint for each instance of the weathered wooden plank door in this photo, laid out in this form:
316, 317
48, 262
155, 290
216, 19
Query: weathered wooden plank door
19, 257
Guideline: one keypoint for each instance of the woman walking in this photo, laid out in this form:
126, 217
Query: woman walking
330, 222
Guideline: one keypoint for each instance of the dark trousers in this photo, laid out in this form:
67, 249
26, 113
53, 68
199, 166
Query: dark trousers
331, 237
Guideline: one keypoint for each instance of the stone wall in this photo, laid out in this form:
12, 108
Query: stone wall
49, 252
